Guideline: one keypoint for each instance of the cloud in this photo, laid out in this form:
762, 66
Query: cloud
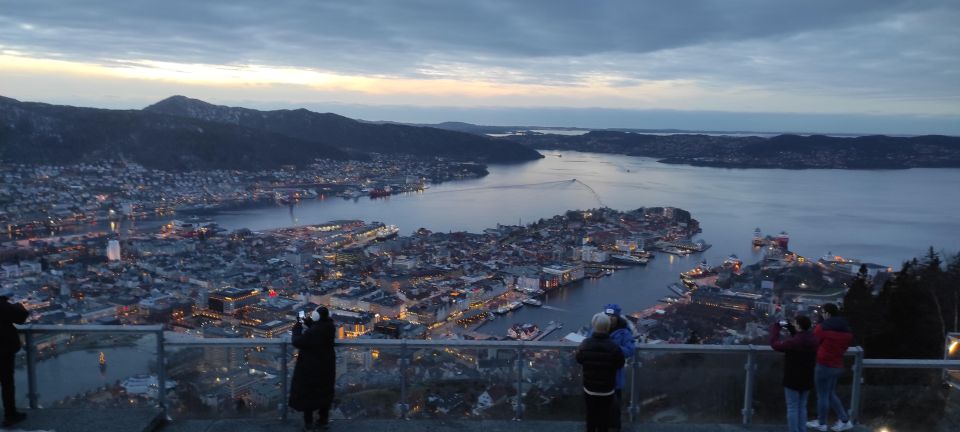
863, 56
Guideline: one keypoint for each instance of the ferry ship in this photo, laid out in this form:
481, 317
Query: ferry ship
387, 231
629, 259
697, 246
532, 302
700, 271
511, 306
757, 237
673, 250
523, 332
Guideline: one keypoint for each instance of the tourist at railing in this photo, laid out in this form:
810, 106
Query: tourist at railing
833, 337
315, 373
10, 314
800, 359
623, 333
600, 358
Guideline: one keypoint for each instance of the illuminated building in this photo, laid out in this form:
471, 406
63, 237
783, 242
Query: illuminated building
232, 299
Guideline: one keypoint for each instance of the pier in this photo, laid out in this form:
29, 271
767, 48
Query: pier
554, 326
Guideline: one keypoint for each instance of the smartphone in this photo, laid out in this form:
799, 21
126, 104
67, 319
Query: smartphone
300, 315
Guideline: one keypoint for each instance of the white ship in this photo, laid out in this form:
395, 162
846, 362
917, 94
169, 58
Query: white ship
629, 259
676, 251
532, 302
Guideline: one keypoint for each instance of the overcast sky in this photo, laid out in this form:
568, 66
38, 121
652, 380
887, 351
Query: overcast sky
863, 66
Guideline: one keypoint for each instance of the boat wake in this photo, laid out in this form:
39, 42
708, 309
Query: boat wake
554, 308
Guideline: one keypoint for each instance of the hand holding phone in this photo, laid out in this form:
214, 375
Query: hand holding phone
783, 323
300, 316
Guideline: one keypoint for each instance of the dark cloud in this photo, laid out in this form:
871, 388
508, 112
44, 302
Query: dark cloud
891, 55
396, 36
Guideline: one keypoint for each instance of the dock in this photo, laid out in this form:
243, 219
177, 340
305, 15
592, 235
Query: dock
550, 329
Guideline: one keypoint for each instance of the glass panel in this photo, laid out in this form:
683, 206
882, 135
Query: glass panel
462, 383
690, 388
368, 383
93, 370
909, 400
769, 401
216, 382
553, 387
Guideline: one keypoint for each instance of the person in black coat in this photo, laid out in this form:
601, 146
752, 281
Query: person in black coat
315, 373
10, 314
600, 358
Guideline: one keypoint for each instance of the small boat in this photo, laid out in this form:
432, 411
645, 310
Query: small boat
532, 302
673, 250
757, 237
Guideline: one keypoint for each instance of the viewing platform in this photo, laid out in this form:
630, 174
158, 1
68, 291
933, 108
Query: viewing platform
240, 384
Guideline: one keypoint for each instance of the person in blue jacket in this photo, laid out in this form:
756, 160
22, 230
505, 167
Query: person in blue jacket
623, 333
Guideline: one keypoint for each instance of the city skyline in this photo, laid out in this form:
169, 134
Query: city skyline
815, 67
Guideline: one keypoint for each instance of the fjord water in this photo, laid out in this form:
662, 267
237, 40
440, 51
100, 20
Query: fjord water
877, 216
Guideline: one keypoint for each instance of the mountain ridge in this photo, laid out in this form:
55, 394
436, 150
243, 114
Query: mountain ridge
352, 135
34, 132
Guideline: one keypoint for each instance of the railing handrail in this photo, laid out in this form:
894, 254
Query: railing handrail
179, 339
89, 328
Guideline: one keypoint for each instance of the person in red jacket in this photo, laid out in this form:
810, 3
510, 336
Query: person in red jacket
833, 337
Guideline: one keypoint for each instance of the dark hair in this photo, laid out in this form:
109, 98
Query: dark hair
324, 312
803, 321
831, 309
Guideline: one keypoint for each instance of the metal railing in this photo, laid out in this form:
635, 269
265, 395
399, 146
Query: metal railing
407, 345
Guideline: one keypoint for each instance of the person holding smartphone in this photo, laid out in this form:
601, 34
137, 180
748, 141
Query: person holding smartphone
800, 356
314, 376
10, 314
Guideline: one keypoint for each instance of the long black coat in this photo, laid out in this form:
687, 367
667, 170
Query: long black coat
315, 372
10, 314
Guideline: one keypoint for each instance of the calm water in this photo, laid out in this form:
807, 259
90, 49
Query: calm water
877, 216
79, 371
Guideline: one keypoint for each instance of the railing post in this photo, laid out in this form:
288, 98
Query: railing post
31, 369
403, 379
161, 375
519, 411
634, 409
284, 360
751, 368
857, 388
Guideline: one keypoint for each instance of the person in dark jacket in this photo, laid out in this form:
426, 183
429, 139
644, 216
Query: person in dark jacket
833, 337
800, 358
600, 358
315, 373
10, 314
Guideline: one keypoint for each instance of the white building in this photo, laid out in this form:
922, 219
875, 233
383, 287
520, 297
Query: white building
113, 250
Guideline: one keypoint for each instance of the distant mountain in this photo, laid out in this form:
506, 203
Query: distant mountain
353, 135
42, 133
781, 151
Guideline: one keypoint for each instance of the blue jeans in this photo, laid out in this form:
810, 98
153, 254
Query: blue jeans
826, 381
796, 409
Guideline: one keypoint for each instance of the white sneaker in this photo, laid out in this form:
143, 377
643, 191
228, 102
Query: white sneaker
815, 425
842, 426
